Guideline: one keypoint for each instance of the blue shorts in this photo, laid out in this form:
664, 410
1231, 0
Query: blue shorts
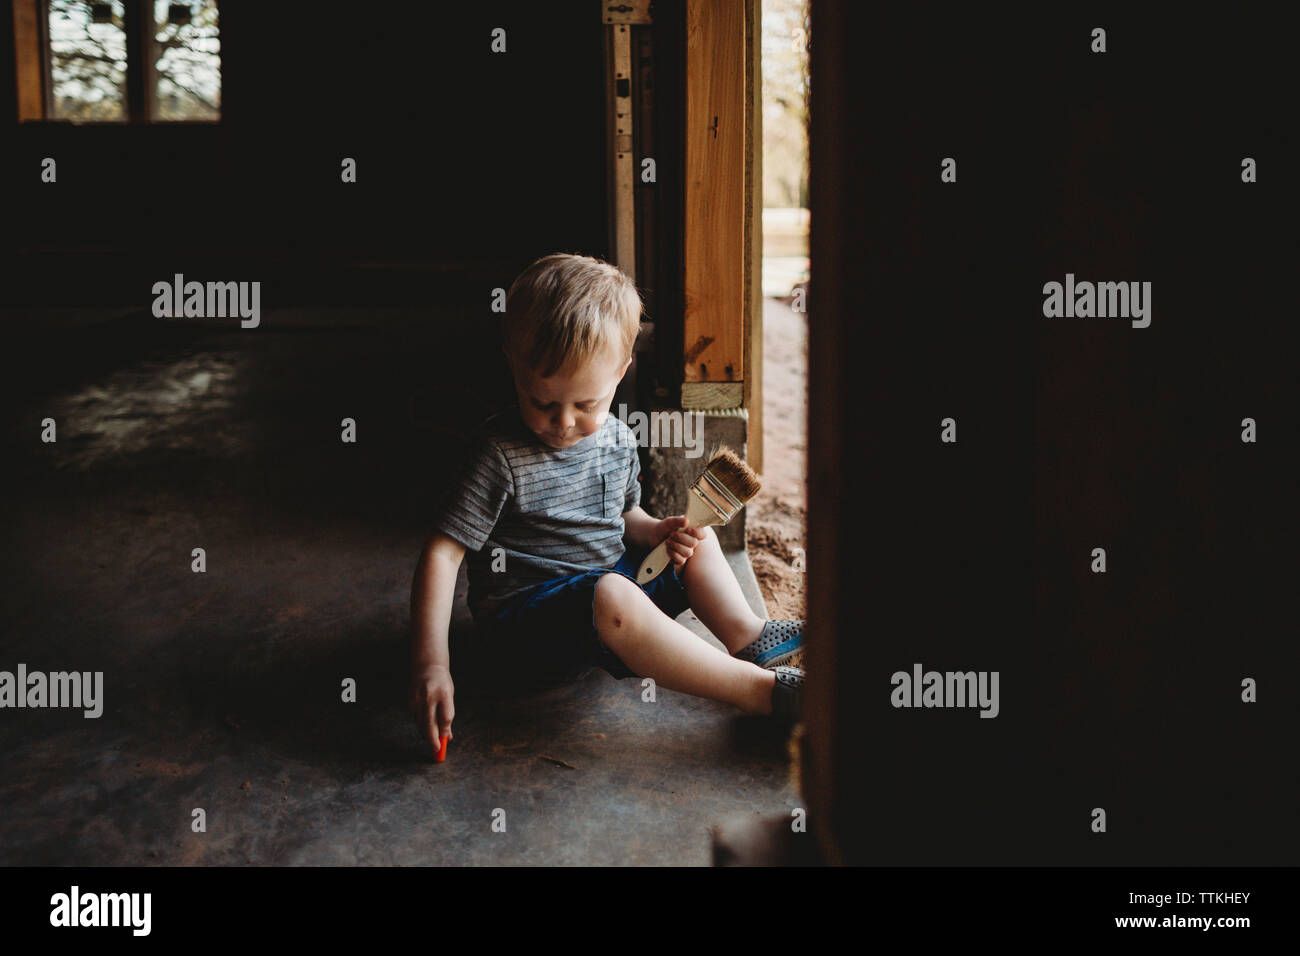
548, 633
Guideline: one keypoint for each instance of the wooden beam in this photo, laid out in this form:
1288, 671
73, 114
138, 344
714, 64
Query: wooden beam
753, 332
715, 395
618, 145
141, 50
714, 221
29, 60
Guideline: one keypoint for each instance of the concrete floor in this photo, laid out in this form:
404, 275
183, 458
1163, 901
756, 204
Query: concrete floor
222, 689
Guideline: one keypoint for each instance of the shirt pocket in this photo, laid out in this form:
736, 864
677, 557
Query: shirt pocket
615, 491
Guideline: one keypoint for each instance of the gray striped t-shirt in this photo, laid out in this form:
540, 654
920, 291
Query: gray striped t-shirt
552, 512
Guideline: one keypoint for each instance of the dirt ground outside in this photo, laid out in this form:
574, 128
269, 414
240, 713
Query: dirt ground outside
775, 530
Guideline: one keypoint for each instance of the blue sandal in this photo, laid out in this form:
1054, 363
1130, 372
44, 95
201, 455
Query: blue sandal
780, 643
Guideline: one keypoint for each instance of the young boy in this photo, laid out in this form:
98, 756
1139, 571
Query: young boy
549, 507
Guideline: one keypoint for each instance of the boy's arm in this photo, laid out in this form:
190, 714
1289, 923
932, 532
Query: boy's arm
432, 594
640, 530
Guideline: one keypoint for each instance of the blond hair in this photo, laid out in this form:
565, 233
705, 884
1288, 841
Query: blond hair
564, 309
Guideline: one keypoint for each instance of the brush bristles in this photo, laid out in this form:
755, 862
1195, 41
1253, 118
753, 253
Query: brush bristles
730, 470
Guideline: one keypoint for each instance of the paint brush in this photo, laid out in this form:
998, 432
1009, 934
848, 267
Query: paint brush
716, 497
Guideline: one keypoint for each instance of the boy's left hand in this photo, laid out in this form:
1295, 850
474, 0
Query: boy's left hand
682, 541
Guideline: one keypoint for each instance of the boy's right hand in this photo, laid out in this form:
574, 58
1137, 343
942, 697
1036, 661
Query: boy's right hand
431, 703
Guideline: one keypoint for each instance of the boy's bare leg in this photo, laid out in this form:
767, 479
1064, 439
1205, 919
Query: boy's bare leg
654, 645
716, 597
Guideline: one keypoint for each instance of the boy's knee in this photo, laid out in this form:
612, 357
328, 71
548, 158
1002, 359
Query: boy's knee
616, 598
707, 543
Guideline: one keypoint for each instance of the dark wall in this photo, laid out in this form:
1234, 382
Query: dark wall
1118, 690
8, 82
463, 155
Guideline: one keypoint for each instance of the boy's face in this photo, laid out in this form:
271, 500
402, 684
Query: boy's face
572, 404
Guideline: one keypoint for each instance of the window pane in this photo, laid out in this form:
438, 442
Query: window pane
189, 61
87, 60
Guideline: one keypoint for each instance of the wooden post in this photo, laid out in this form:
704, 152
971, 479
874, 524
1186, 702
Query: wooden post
714, 244
618, 139
753, 331
29, 59
141, 69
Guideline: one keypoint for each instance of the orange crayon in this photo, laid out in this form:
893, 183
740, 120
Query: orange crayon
442, 749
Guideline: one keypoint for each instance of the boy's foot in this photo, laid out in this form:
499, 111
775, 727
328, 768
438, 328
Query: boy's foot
787, 693
780, 642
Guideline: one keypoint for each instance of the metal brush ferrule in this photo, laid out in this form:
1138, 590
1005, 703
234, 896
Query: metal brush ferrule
718, 497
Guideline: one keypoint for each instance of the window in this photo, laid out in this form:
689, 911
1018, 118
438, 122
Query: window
137, 61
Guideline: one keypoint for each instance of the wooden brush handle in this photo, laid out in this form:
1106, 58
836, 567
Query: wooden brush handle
658, 560
699, 514
654, 564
